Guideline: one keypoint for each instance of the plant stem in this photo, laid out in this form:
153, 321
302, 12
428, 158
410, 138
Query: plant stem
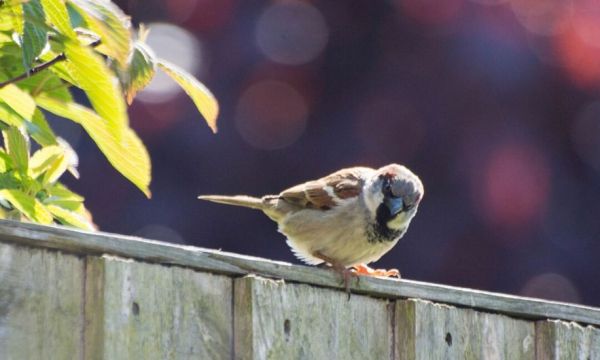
36, 69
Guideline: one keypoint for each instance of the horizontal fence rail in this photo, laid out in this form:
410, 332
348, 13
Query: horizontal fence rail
76, 294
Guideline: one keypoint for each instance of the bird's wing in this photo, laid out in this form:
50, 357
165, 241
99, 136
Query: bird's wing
325, 193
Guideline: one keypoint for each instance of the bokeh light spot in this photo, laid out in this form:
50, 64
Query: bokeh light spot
514, 186
201, 14
546, 17
177, 46
291, 32
271, 115
579, 56
551, 286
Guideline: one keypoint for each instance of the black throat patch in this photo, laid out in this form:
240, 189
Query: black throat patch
379, 231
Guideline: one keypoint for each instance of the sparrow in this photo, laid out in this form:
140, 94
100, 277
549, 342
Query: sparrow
346, 220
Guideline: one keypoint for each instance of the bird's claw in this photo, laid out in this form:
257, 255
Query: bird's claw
363, 269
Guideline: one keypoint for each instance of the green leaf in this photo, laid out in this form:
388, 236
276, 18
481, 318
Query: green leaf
57, 168
25, 112
202, 97
34, 32
17, 146
127, 155
9, 116
60, 195
40, 130
8, 180
48, 82
18, 100
60, 69
27, 205
43, 159
68, 217
57, 13
5, 162
107, 20
100, 85
140, 71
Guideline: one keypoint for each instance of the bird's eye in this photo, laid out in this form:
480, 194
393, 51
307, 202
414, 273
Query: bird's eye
387, 189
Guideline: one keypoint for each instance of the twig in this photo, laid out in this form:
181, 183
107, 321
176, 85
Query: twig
36, 69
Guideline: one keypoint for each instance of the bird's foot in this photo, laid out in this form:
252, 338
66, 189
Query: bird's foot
363, 269
347, 273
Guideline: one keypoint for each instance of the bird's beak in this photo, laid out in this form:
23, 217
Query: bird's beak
394, 204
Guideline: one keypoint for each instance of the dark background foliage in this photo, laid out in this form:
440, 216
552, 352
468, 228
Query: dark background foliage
494, 104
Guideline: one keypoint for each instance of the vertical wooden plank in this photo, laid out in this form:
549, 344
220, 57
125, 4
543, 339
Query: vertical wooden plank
425, 330
557, 340
137, 310
41, 304
275, 320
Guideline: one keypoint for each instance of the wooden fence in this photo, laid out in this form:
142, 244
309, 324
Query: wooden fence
68, 294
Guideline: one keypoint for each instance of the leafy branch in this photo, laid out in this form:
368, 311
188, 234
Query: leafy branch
85, 44
43, 66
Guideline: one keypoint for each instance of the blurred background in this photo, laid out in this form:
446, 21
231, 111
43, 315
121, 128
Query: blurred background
495, 104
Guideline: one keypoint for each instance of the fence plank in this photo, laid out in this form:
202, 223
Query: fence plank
41, 304
566, 340
98, 243
425, 330
275, 320
136, 310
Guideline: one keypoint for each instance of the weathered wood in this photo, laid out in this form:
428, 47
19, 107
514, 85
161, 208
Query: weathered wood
81, 242
559, 340
41, 304
275, 320
425, 330
136, 310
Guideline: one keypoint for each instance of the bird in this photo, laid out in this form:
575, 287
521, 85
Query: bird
344, 220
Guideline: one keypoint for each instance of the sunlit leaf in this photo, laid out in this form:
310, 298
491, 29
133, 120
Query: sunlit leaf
34, 32
57, 13
18, 100
140, 71
47, 82
60, 69
202, 97
68, 217
27, 205
100, 85
107, 20
43, 159
128, 155
25, 112
60, 195
17, 147
9, 116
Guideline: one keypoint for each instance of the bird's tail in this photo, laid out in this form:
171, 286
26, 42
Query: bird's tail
237, 200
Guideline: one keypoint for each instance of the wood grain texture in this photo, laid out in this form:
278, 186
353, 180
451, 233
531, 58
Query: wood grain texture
275, 320
425, 330
41, 304
136, 310
86, 243
558, 340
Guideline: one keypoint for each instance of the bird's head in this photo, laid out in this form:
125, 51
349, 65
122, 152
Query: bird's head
392, 195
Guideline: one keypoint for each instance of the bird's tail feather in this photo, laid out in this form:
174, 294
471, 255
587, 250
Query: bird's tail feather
237, 200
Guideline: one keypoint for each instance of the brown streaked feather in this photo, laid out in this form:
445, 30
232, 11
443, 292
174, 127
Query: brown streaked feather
317, 194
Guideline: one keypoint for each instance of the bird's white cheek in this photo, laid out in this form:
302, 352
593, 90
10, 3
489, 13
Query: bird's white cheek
372, 200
